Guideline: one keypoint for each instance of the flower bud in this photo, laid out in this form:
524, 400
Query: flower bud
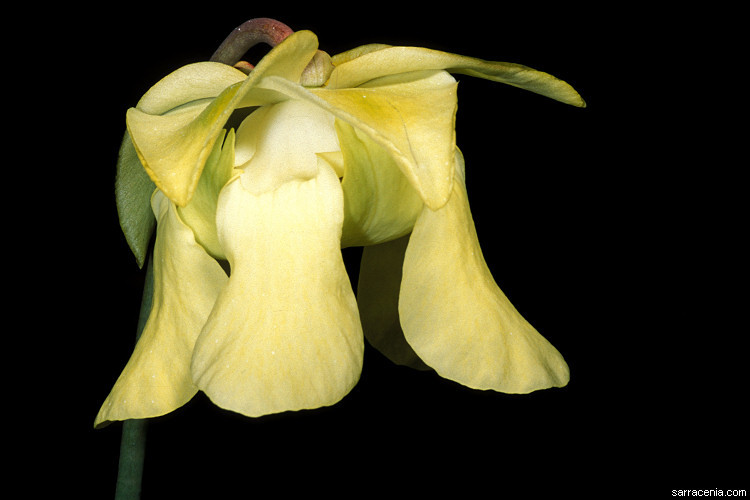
318, 70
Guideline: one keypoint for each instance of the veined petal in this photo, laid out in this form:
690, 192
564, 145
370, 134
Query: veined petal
174, 147
379, 202
412, 118
200, 213
456, 318
377, 295
156, 379
394, 60
350, 54
203, 80
285, 332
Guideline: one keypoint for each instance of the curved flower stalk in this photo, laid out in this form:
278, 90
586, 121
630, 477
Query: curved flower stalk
252, 304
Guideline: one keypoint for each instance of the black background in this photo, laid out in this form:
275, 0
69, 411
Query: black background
582, 219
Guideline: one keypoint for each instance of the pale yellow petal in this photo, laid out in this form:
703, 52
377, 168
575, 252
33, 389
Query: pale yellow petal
355, 71
412, 117
200, 213
278, 143
285, 332
156, 379
379, 202
377, 295
335, 160
457, 319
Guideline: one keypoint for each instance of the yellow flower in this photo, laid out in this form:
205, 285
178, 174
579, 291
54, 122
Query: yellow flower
252, 303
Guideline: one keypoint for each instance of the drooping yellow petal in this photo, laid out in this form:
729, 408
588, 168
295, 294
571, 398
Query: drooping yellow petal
174, 147
156, 379
457, 319
285, 332
412, 116
377, 295
355, 71
379, 203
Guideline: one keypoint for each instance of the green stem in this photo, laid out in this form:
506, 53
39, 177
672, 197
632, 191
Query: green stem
133, 444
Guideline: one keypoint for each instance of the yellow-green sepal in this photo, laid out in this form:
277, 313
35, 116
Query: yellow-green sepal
350, 54
384, 61
174, 144
174, 147
412, 116
190, 83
